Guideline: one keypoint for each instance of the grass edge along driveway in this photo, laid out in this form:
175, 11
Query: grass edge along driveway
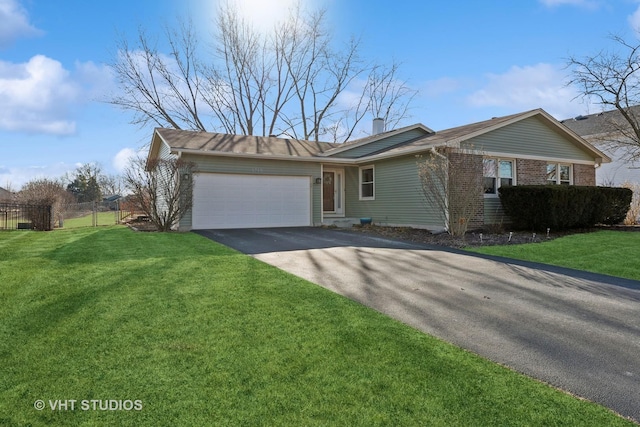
203, 335
606, 252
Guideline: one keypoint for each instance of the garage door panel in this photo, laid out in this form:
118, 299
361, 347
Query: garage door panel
243, 201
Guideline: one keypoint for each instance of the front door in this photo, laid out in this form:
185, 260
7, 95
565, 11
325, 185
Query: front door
332, 191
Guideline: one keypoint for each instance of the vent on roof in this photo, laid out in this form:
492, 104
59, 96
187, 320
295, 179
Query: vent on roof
580, 118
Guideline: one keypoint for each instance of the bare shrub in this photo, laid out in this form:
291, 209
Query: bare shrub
452, 181
162, 189
46, 192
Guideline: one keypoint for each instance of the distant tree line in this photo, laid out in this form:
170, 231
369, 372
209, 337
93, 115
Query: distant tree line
88, 183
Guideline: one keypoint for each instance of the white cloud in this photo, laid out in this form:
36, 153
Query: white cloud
124, 157
97, 81
15, 23
34, 96
38, 96
527, 88
634, 21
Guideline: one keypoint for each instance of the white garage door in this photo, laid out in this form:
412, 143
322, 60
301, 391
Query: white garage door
246, 201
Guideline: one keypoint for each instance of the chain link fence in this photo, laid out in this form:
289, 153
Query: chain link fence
94, 214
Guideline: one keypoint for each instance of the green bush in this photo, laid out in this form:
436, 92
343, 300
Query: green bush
561, 207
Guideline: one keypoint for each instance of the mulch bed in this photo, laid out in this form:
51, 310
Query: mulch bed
140, 223
472, 238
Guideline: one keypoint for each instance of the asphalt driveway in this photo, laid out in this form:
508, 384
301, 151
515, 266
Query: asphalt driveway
577, 331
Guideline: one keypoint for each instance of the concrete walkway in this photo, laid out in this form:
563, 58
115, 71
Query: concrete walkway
577, 331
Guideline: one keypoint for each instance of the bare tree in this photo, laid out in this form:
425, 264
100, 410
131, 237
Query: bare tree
111, 185
612, 78
287, 82
452, 182
162, 189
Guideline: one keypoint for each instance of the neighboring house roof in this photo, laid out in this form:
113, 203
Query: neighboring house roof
256, 146
595, 127
111, 198
5, 194
609, 131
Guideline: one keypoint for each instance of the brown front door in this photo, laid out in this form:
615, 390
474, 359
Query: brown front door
328, 191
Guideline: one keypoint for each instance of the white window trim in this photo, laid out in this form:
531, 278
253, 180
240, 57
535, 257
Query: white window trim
497, 171
360, 169
558, 164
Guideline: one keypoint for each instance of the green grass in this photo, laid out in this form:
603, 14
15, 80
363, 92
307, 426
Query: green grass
607, 252
103, 218
203, 335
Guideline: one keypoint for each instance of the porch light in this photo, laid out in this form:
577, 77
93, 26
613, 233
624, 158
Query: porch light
318, 180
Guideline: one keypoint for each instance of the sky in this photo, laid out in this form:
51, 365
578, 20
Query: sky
468, 60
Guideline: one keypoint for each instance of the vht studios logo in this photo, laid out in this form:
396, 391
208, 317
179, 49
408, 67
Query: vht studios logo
88, 405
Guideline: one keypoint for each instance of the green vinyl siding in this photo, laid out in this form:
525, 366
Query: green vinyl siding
493, 212
164, 153
383, 144
530, 137
214, 164
398, 195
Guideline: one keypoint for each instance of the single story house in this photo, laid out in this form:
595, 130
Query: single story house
603, 131
252, 181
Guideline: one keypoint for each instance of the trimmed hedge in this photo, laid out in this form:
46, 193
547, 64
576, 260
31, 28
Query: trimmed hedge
561, 207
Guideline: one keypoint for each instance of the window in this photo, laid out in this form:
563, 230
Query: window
558, 173
367, 185
497, 173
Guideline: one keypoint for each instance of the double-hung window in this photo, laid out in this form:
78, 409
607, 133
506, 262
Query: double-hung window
367, 183
497, 173
558, 173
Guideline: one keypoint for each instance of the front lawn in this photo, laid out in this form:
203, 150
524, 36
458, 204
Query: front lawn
173, 329
607, 252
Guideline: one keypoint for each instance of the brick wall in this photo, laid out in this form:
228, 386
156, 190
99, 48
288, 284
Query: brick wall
584, 175
465, 180
531, 172
534, 172
528, 172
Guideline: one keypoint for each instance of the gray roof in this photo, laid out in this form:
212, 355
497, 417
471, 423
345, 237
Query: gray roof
5, 194
241, 144
212, 143
592, 125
